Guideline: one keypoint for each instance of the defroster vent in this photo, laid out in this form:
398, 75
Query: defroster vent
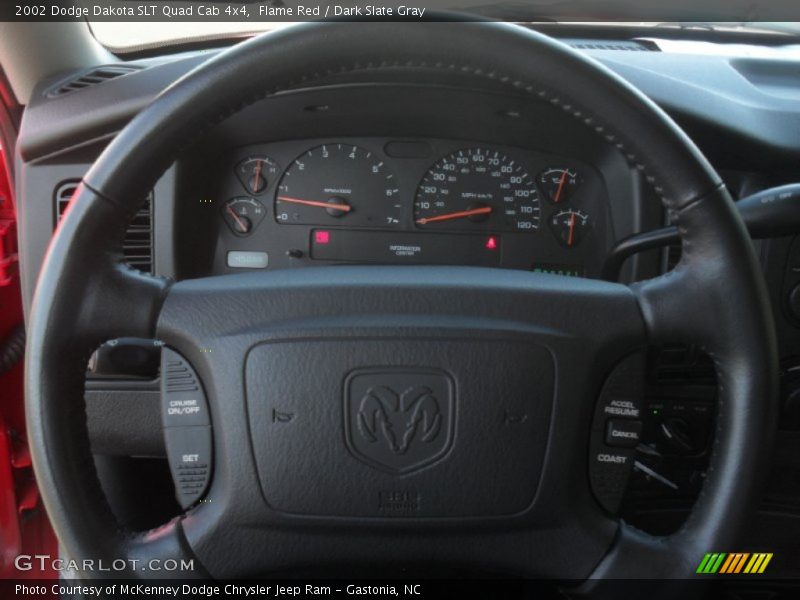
91, 78
623, 45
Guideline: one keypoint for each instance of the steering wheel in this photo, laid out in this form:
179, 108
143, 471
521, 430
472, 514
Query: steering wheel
345, 347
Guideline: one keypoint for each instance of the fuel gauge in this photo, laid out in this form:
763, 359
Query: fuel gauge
256, 173
558, 183
569, 226
243, 215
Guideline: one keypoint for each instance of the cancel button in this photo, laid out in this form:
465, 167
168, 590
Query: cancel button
623, 432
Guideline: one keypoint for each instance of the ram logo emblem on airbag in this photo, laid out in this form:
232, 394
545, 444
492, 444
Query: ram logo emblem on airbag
398, 421
398, 417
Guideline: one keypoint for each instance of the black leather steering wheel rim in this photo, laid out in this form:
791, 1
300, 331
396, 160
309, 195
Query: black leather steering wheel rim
85, 294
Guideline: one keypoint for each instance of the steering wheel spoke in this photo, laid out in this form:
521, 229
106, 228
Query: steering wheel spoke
162, 553
668, 304
693, 303
131, 305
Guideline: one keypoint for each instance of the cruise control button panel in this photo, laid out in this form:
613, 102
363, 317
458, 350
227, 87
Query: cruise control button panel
616, 430
187, 428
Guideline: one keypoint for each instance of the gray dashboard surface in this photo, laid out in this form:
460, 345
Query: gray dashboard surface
750, 101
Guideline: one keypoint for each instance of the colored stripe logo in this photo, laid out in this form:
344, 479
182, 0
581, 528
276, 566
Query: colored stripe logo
734, 563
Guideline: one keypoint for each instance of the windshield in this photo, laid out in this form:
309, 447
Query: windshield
124, 37
139, 25
132, 36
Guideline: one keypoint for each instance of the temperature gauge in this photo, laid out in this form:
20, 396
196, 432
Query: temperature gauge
558, 184
243, 215
569, 226
256, 173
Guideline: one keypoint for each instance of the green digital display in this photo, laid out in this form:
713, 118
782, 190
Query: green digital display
554, 269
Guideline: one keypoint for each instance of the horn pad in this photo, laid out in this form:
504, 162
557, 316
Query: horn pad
388, 428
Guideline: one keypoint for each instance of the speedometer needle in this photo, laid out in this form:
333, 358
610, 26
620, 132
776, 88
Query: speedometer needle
483, 210
342, 207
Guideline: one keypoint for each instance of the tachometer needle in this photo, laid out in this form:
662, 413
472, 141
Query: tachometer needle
242, 225
342, 207
483, 210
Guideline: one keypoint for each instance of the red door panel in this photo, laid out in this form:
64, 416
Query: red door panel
24, 528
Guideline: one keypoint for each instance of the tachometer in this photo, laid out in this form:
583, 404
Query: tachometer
476, 188
337, 184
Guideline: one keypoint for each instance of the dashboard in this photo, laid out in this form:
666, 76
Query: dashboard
385, 200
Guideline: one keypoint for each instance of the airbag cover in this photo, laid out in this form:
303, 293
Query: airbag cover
391, 428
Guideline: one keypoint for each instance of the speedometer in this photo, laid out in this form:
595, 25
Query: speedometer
477, 188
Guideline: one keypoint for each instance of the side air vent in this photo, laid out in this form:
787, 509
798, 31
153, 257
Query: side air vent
678, 364
64, 194
623, 45
91, 78
138, 242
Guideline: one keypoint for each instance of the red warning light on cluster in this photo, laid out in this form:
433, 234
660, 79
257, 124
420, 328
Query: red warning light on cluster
322, 237
491, 243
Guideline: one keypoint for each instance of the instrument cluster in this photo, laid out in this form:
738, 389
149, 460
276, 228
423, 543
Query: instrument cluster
396, 201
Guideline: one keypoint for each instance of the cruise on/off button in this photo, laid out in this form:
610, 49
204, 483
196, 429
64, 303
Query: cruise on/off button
623, 433
183, 402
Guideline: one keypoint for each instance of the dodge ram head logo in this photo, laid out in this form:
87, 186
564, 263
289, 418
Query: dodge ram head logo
399, 417
397, 420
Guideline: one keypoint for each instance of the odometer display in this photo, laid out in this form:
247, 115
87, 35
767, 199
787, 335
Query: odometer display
477, 189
